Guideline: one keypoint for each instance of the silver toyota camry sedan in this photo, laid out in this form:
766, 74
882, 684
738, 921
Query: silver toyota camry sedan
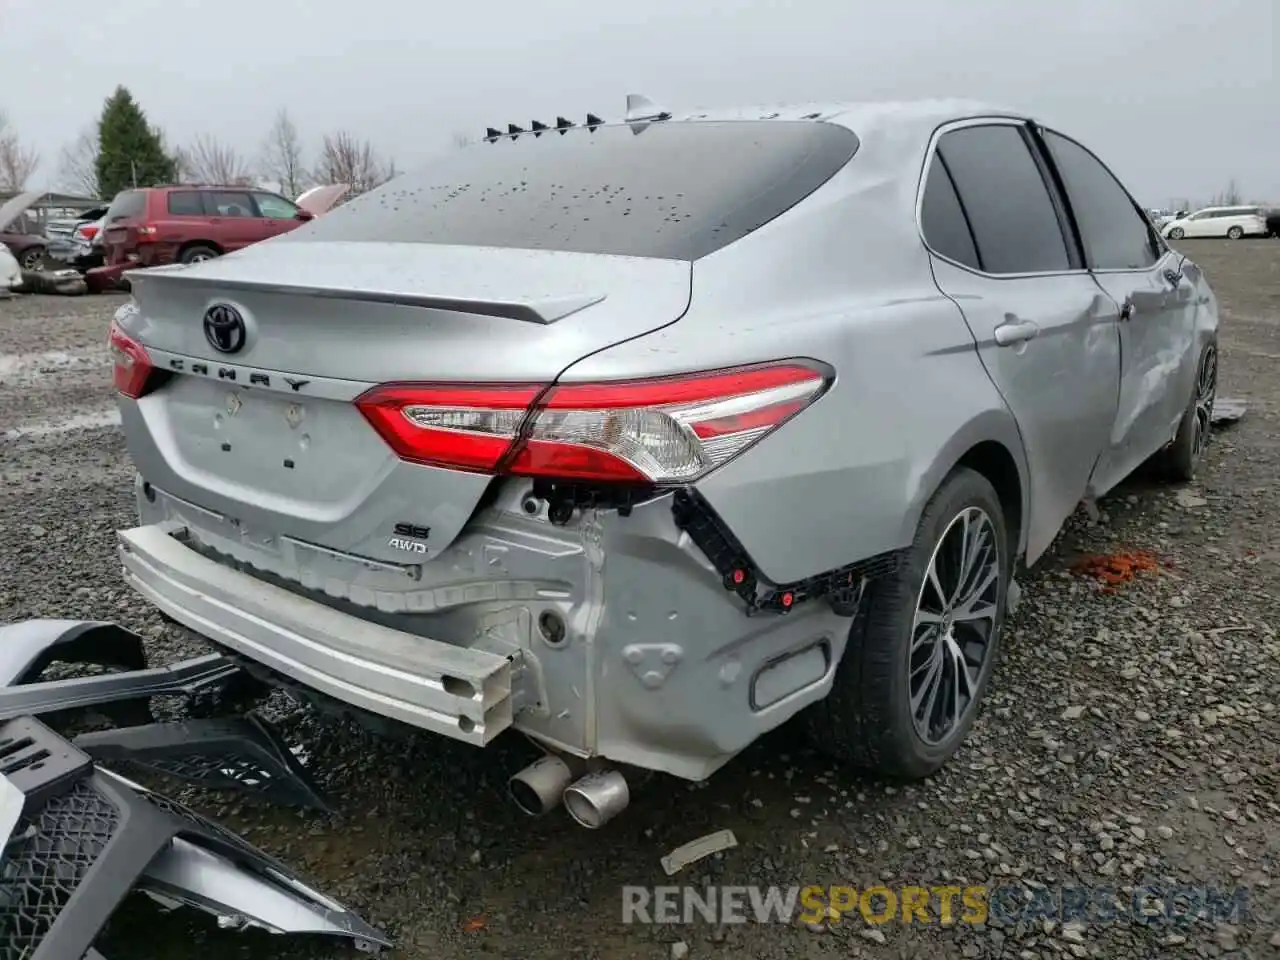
641, 437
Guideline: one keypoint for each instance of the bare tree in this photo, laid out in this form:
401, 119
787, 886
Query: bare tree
344, 158
208, 161
461, 140
1229, 197
17, 163
78, 164
282, 157
183, 169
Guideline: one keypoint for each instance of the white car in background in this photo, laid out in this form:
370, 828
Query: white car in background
1230, 222
1161, 217
10, 272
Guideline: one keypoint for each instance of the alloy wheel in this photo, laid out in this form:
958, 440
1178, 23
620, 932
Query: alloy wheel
955, 623
1206, 390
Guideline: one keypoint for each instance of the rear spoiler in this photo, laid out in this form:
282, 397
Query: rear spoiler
543, 310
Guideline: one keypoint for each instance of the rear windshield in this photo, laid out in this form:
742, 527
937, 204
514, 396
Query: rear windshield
130, 203
676, 190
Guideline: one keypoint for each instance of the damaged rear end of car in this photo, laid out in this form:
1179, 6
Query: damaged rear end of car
367, 469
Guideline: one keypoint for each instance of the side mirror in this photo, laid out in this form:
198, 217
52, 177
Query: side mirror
304, 215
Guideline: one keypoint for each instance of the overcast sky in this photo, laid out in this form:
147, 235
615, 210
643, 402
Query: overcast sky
1179, 96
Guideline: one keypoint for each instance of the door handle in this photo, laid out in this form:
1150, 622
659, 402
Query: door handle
1011, 334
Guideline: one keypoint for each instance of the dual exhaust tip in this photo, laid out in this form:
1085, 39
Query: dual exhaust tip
591, 800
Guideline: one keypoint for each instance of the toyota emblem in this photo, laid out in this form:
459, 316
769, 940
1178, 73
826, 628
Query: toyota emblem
224, 328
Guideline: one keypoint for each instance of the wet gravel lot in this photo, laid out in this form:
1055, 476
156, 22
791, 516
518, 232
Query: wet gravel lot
1131, 736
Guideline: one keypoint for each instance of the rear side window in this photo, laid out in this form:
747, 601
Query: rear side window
1015, 225
186, 203
130, 203
676, 190
941, 217
1116, 235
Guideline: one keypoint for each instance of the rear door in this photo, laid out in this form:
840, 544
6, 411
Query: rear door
234, 218
1155, 305
277, 213
1045, 332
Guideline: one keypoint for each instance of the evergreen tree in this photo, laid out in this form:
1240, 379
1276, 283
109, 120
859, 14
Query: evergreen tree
129, 148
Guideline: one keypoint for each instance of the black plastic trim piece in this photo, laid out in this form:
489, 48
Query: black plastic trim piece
564, 497
236, 753
842, 587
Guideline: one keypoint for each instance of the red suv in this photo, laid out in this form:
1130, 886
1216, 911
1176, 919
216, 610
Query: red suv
156, 225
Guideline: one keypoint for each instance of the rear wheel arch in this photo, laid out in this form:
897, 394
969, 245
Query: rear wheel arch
991, 445
994, 461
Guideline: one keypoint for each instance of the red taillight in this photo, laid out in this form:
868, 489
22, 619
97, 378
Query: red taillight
671, 430
87, 231
460, 426
130, 364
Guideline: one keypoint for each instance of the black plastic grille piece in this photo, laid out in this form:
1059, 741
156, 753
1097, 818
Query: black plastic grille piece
182, 812
45, 860
843, 587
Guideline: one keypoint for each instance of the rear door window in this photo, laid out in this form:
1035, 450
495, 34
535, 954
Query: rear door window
1015, 225
675, 189
1116, 235
229, 203
186, 203
275, 207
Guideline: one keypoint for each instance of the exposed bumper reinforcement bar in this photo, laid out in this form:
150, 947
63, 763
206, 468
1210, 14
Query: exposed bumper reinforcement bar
449, 690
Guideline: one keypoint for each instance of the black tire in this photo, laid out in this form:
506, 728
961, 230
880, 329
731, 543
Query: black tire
1180, 459
32, 258
1177, 233
866, 720
198, 253
1235, 233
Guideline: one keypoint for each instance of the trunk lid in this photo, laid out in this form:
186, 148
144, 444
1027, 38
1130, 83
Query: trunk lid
267, 436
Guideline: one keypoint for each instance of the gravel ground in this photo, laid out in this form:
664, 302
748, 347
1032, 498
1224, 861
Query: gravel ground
1130, 736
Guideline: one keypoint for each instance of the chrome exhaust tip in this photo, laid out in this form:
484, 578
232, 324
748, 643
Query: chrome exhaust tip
539, 787
597, 798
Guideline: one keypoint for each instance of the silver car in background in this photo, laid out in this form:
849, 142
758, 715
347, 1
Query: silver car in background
643, 437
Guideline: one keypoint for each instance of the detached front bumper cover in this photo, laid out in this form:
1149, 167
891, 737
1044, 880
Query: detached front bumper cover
76, 838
